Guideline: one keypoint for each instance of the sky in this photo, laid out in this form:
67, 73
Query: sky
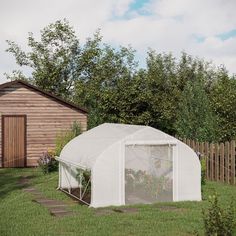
203, 28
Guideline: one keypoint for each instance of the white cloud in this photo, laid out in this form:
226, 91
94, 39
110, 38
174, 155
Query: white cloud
205, 17
170, 25
121, 7
173, 25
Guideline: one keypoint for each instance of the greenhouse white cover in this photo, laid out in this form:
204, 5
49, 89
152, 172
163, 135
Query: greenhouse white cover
117, 164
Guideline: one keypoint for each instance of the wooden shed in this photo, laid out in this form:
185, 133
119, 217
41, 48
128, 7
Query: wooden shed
31, 121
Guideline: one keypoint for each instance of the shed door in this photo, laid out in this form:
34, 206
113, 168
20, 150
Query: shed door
14, 140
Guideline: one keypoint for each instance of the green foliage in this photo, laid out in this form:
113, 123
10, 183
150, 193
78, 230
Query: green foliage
154, 188
127, 102
85, 177
103, 71
75, 129
16, 75
195, 118
53, 59
203, 171
223, 100
162, 90
218, 221
47, 163
185, 96
64, 138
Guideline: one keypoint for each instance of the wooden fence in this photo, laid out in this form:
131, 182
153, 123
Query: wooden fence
220, 159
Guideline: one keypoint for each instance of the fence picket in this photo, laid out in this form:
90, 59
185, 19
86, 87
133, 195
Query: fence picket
216, 162
220, 159
188, 142
232, 162
211, 161
222, 162
197, 146
201, 149
206, 154
192, 143
227, 172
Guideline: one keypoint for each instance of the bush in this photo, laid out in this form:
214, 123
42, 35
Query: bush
48, 163
63, 139
218, 221
85, 176
203, 171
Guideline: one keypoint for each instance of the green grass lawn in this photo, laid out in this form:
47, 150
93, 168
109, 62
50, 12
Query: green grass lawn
20, 216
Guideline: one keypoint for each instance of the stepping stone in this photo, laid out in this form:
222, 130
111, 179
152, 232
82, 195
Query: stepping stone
33, 191
61, 214
23, 185
125, 210
129, 210
49, 203
118, 210
103, 212
171, 208
52, 205
30, 190
45, 200
23, 181
58, 210
37, 194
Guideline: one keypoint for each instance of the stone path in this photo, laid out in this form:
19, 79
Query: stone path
108, 211
59, 208
56, 208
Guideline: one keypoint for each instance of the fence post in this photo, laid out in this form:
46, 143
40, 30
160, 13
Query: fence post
201, 149
232, 161
188, 142
211, 161
206, 153
227, 172
192, 143
216, 164
222, 163
197, 147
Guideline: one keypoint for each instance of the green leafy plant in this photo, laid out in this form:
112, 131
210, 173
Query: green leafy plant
148, 185
203, 171
218, 221
85, 176
195, 117
64, 138
47, 163
52, 58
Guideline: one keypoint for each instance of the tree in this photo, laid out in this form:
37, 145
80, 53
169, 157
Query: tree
189, 68
223, 101
163, 93
53, 59
84, 74
195, 118
108, 82
128, 101
102, 70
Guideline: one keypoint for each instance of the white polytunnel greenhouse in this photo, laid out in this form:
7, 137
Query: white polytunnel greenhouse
117, 164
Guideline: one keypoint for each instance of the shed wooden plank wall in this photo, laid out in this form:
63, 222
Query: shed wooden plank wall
46, 118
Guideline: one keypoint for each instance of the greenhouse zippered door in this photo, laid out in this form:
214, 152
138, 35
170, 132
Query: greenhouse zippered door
148, 173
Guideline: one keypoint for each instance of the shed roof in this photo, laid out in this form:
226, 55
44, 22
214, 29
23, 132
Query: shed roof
44, 93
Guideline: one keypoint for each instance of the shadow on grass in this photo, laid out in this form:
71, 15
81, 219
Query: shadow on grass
10, 180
